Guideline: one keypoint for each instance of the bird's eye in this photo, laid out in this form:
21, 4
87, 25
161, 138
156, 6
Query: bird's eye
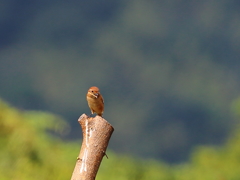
92, 91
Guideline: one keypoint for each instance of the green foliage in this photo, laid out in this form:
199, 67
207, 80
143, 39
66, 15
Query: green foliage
28, 151
170, 66
208, 163
120, 167
218, 163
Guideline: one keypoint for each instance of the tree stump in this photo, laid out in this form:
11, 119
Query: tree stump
96, 135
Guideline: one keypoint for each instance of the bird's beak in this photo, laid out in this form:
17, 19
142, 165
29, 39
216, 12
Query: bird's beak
95, 95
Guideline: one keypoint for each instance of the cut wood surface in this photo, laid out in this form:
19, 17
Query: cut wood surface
96, 135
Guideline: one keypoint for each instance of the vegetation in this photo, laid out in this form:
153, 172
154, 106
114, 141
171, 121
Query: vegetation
166, 69
30, 150
27, 150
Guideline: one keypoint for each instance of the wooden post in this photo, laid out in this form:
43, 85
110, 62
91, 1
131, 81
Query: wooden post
96, 135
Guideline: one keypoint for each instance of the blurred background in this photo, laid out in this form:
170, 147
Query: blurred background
168, 70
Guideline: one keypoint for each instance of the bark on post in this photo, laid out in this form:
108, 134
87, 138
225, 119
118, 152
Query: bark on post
96, 135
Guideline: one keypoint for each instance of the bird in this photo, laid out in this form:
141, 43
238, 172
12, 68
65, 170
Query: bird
95, 101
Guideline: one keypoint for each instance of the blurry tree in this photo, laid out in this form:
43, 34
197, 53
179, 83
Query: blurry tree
166, 69
212, 162
29, 150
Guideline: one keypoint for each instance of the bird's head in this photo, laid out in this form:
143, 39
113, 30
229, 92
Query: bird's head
94, 91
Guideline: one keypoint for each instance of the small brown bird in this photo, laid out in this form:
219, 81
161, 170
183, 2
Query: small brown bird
95, 101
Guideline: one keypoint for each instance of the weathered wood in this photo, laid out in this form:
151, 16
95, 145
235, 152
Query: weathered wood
96, 135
